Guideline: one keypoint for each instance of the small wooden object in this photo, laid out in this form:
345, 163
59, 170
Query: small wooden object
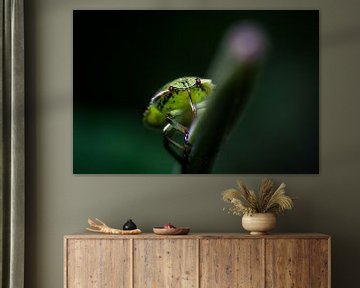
171, 231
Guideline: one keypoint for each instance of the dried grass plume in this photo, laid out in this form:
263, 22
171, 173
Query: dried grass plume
267, 200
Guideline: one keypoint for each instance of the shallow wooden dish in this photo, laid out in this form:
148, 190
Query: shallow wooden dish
171, 231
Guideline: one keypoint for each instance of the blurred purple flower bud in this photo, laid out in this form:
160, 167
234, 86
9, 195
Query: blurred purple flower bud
247, 42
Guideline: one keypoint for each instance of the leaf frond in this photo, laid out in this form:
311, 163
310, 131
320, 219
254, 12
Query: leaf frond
245, 201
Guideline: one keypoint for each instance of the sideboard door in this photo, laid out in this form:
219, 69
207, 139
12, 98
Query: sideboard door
170, 263
98, 263
229, 263
297, 263
197, 261
320, 263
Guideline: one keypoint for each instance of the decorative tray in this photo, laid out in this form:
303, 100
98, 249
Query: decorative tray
171, 231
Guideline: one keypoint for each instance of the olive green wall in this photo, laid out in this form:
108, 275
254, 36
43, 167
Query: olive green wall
59, 202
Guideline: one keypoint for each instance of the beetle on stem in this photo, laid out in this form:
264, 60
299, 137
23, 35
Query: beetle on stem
174, 107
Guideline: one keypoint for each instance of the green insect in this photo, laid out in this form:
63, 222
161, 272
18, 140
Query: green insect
174, 107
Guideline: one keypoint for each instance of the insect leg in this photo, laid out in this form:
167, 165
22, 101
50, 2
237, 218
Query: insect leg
174, 124
167, 141
166, 132
171, 151
193, 107
177, 126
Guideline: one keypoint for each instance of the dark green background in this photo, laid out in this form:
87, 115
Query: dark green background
122, 57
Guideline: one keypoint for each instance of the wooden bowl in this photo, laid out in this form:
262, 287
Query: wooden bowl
171, 231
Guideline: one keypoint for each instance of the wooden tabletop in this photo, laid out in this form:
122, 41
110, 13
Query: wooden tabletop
89, 235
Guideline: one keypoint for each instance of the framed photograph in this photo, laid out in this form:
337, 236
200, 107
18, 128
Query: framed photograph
125, 61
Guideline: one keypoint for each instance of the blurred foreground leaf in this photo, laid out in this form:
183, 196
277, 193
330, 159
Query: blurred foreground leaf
233, 71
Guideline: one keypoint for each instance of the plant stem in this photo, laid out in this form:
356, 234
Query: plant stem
233, 74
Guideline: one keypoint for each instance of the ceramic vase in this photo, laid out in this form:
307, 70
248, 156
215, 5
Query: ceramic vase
259, 223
